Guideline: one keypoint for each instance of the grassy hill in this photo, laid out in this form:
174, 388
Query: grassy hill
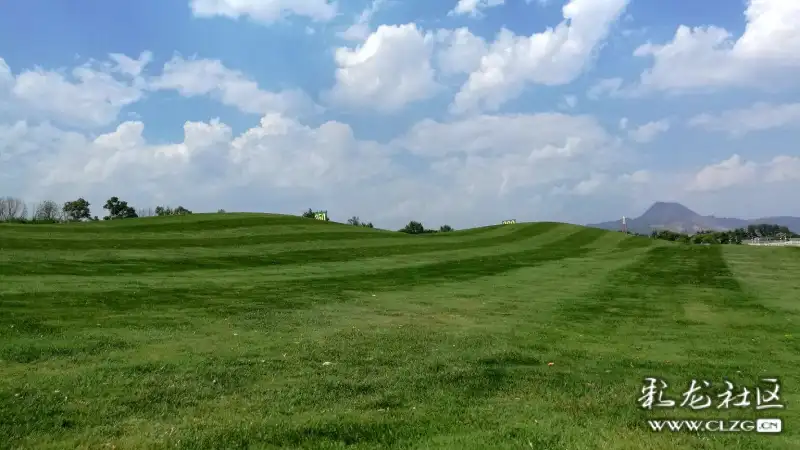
265, 331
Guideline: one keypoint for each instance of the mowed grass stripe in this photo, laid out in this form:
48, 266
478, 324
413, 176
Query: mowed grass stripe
264, 276
459, 364
113, 254
190, 223
171, 227
168, 264
663, 268
59, 241
291, 293
768, 272
635, 242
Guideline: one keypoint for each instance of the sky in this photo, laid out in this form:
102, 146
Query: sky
459, 112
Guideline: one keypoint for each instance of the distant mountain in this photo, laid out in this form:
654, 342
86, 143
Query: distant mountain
678, 218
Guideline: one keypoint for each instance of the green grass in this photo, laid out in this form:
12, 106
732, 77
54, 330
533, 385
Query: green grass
212, 331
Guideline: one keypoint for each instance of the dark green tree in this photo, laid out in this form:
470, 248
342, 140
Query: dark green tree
77, 210
167, 211
445, 228
413, 227
118, 209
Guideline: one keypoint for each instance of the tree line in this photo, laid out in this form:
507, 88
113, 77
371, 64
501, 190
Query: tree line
13, 209
412, 227
735, 236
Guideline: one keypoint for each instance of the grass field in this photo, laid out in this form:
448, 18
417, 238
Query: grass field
258, 331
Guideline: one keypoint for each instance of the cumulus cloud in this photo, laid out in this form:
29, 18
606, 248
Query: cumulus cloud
757, 117
505, 156
265, 11
459, 51
474, 7
279, 153
735, 171
89, 95
649, 131
488, 164
193, 77
555, 56
766, 55
360, 29
391, 69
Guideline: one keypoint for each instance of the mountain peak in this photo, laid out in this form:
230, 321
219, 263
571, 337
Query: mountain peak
666, 212
676, 217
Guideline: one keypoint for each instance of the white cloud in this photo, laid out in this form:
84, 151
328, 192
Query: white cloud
758, 117
649, 131
500, 158
89, 95
731, 172
735, 171
193, 77
459, 51
129, 66
590, 185
766, 55
637, 177
623, 123
360, 29
288, 154
391, 69
265, 11
474, 7
568, 102
608, 86
783, 168
536, 135
555, 56
487, 164
278, 153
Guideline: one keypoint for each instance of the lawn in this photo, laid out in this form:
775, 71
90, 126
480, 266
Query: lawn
264, 331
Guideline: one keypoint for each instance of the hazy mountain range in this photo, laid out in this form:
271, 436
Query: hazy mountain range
678, 218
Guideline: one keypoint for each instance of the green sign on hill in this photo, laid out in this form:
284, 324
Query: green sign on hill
321, 215
509, 222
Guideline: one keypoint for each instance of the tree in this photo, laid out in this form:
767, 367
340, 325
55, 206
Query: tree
167, 211
220, 211
12, 208
118, 209
367, 225
413, 227
354, 221
77, 210
309, 214
47, 211
445, 228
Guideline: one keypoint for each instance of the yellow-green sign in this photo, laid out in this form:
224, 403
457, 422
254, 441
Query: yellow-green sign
509, 222
321, 215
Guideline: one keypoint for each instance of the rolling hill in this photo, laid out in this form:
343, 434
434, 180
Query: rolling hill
678, 218
264, 331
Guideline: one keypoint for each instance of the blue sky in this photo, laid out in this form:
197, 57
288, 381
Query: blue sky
464, 112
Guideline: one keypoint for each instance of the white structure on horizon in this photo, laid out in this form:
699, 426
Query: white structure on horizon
773, 242
624, 225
